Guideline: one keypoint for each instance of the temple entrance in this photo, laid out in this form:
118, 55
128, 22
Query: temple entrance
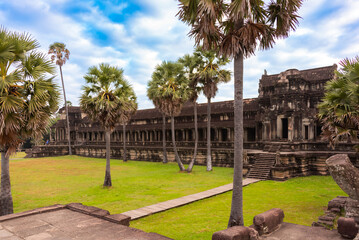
190, 136
306, 132
251, 134
285, 128
200, 134
224, 133
213, 135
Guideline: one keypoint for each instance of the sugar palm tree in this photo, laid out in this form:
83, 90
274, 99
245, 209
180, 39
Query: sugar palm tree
235, 29
209, 76
60, 53
339, 110
129, 109
107, 98
169, 90
28, 98
156, 102
192, 64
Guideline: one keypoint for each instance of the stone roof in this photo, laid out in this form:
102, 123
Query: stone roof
314, 74
72, 109
250, 104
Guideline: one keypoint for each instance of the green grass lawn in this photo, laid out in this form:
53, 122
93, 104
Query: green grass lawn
302, 199
46, 181
18, 155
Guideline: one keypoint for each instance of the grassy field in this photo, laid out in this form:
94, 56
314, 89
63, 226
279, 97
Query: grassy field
302, 199
18, 155
46, 181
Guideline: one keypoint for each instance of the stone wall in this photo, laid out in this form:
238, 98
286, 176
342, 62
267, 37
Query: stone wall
291, 164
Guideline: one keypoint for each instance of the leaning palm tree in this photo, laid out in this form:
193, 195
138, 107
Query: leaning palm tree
192, 64
60, 53
209, 76
339, 110
169, 90
28, 98
235, 29
107, 98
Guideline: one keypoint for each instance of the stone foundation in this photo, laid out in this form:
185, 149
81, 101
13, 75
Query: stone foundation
290, 164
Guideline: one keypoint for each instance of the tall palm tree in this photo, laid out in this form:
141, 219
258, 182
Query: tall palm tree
339, 110
60, 53
28, 98
235, 29
192, 64
129, 109
209, 76
109, 99
169, 90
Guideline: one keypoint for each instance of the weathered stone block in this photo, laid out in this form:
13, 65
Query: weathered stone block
338, 202
347, 228
345, 174
93, 211
268, 221
119, 218
352, 209
233, 233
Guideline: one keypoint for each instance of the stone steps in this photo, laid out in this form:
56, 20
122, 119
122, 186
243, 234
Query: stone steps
262, 166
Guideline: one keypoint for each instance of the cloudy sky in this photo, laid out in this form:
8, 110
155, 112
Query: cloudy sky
137, 35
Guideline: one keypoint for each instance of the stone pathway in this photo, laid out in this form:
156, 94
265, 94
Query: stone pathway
163, 206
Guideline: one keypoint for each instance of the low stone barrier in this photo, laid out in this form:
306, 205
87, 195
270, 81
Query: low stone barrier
347, 228
268, 221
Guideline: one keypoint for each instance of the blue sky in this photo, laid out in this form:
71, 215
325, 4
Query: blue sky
139, 34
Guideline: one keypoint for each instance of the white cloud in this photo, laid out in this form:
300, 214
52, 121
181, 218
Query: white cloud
327, 33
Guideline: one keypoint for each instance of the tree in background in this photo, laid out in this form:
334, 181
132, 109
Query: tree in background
156, 102
339, 111
192, 64
236, 29
129, 110
169, 90
209, 76
107, 97
60, 53
28, 98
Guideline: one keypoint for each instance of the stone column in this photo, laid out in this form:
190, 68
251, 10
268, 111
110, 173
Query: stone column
290, 128
279, 127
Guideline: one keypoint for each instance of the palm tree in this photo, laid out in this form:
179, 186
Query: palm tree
109, 99
191, 65
235, 30
28, 98
169, 90
129, 109
339, 111
209, 76
61, 54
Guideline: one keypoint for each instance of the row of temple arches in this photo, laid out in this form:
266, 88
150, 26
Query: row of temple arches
217, 134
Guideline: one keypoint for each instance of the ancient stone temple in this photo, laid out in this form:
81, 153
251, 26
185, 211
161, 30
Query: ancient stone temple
281, 130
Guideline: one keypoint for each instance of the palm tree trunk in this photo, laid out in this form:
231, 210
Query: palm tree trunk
179, 162
67, 112
209, 158
190, 166
165, 160
108, 182
236, 217
6, 204
124, 143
